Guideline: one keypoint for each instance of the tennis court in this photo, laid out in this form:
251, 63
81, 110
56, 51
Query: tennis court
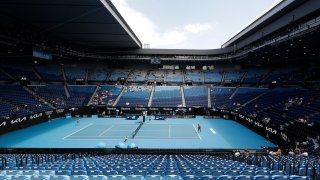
168, 134
95, 131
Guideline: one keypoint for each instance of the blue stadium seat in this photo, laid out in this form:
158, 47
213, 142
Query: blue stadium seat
295, 177
153, 177
225, 177
134, 177
79, 177
40, 177
261, 177
243, 177
280, 177
98, 177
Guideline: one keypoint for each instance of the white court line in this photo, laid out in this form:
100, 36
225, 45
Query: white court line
197, 131
213, 131
113, 137
78, 130
157, 137
169, 131
153, 130
106, 130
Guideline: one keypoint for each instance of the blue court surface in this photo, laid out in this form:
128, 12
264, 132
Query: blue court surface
165, 134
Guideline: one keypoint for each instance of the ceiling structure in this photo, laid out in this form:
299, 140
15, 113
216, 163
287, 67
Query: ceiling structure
94, 23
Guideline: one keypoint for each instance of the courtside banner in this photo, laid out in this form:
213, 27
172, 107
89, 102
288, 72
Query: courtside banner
13, 124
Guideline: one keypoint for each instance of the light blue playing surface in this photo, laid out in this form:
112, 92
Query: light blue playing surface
167, 134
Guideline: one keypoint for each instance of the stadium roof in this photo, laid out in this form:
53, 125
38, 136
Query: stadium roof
94, 23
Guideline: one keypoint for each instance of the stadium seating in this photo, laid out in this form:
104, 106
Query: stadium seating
75, 72
174, 76
51, 72
106, 95
97, 74
167, 96
212, 77
135, 96
119, 73
126, 166
194, 76
196, 96
19, 102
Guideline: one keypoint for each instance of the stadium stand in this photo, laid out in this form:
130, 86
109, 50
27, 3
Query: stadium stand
196, 96
167, 96
174, 76
97, 74
135, 96
106, 95
49, 71
76, 72
181, 106
123, 166
194, 76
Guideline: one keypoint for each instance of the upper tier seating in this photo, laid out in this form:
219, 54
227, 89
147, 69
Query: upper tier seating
212, 77
73, 72
254, 76
50, 72
167, 96
234, 76
20, 71
194, 76
137, 76
174, 76
156, 75
97, 74
196, 96
135, 96
116, 74
106, 95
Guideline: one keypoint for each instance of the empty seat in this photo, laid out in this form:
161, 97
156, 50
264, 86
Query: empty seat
293, 177
202, 173
124, 173
142, 173
47, 172
153, 177
225, 177
243, 177
40, 177
247, 173
262, 172
108, 173
277, 172
79, 177
13, 172
30, 172
67, 173
20, 177
208, 177
79, 172
172, 177
59, 177
98, 177
280, 177
217, 173
191, 177
232, 173
95, 172
261, 177
116, 177
134, 177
